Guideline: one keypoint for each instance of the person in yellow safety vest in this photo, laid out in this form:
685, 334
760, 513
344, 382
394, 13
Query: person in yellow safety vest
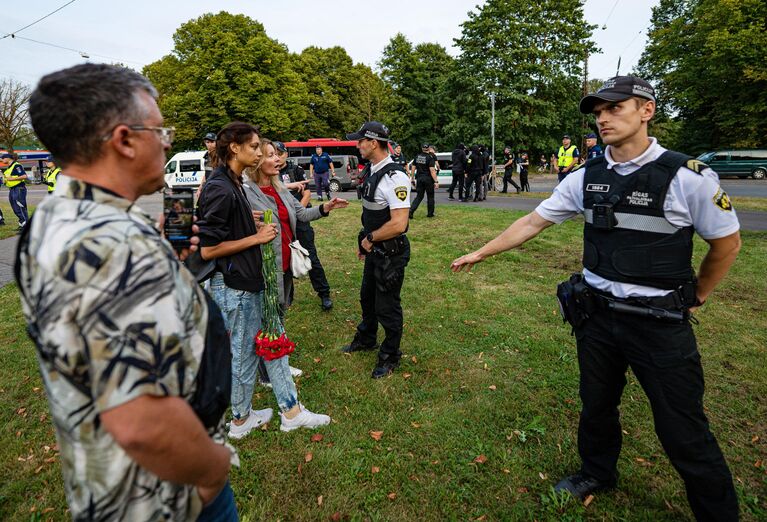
567, 157
51, 175
15, 177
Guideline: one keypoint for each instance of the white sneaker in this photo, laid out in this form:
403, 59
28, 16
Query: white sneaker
295, 372
304, 419
256, 419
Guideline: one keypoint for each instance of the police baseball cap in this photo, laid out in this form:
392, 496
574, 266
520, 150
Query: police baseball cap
372, 130
590, 135
211, 136
425, 146
279, 146
618, 88
566, 137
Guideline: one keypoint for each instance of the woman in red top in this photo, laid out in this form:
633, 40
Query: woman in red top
265, 190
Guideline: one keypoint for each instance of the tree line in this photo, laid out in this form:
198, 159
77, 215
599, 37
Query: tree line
707, 59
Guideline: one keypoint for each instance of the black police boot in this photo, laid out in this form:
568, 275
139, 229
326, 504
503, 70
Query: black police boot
327, 303
356, 346
384, 368
581, 485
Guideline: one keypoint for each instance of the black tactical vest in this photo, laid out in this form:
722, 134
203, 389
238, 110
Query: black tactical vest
374, 215
638, 245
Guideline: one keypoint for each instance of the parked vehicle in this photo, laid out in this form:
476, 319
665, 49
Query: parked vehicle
741, 163
185, 169
344, 165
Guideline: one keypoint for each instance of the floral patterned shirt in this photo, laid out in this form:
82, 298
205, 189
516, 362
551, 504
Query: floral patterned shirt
114, 316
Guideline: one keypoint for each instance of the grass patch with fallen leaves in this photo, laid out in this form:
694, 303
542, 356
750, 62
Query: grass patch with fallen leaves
481, 418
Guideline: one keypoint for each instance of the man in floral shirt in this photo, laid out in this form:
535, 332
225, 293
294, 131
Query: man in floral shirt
119, 323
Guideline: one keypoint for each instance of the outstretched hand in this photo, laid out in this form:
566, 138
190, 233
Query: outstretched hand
336, 203
467, 262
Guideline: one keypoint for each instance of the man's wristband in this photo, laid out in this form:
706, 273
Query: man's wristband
369, 237
323, 212
698, 302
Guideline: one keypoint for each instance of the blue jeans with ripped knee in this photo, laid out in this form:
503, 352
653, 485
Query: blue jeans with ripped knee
242, 315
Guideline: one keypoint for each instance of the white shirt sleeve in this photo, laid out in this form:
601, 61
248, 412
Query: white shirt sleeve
566, 201
698, 200
391, 189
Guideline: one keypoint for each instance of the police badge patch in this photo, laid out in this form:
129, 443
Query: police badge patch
401, 193
722, 200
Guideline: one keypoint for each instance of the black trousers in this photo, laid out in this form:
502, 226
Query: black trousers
523, 181
507, 178
424, 186
305, 235
457, 181
475, 178
665, 359
381, 304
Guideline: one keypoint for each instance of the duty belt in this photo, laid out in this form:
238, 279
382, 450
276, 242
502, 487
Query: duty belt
669, 307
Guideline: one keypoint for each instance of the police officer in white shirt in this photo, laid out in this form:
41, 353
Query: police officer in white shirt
384, 247
632, 304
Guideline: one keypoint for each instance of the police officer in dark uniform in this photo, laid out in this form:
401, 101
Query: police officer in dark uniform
291, 173
425, 180
384, 247
508, 170
460, 163
476, 169
593, 149
398, 157
632, 304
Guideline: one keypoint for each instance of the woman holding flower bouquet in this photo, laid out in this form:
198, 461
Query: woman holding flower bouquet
265, 191
230, 235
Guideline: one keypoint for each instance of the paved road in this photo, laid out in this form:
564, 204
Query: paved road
153, 205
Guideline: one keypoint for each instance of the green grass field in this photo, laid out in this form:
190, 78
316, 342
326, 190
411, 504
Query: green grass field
481, 418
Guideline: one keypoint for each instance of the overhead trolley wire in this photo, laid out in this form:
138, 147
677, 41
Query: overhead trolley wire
13, 34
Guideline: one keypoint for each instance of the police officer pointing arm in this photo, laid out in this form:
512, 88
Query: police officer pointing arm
631, 305
384, 247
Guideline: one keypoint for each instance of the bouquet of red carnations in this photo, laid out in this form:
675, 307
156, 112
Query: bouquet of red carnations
271, 341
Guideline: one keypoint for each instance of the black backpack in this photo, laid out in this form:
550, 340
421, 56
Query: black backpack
214, 376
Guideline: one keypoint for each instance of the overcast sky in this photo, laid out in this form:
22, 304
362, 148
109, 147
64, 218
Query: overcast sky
140, 32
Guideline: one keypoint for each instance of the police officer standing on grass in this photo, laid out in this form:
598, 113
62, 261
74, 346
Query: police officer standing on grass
398, 157
592, 149
425, 180
384, 247
567, 158
632, 305
15, 177
52, 175
210, 159
291, 173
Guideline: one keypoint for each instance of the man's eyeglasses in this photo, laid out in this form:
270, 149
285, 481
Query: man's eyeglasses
166, 134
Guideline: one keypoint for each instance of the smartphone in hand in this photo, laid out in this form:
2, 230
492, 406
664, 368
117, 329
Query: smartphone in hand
178, 208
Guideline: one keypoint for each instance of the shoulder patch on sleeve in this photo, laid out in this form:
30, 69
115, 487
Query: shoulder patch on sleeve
401, 193
722, 200
696, 166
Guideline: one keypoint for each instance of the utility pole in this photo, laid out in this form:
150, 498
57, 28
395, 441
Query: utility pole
492, 132
584, 121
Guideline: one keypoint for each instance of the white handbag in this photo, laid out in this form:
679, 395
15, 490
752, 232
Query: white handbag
300, 264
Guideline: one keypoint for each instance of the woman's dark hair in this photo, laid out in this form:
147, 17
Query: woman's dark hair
235, 132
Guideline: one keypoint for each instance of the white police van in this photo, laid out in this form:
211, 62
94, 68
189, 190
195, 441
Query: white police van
185, 169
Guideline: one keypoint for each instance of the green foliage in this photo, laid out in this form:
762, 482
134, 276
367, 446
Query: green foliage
708, 59
224, 67
530, 54
421, 102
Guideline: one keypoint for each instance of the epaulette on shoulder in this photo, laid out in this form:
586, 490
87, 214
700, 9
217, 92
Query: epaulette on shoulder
696, 166
579, 167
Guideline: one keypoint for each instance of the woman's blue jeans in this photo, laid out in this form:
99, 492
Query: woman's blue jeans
242, 315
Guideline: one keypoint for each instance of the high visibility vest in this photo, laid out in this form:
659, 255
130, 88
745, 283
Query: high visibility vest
566, 156
50, 178
9, 172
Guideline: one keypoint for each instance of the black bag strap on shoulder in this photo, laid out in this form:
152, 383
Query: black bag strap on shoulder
214, 376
